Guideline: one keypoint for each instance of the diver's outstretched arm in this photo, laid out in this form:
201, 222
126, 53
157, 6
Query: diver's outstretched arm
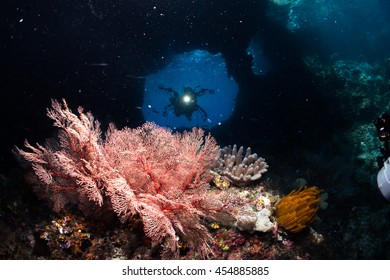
203, 91
169, 90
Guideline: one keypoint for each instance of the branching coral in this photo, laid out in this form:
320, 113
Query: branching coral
298, 209
240, 169
149, 172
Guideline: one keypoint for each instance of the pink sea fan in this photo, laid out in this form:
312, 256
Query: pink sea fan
147, 171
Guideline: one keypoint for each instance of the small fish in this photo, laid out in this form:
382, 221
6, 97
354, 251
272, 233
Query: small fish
182, 245
103, 64
221, 182
135, 77
214, 226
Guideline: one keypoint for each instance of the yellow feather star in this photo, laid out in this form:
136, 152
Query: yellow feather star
298, 209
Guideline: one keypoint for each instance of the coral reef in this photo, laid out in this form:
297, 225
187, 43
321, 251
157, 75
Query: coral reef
298, 209
31, 231
253, 207
147, 172
67, 235
238, 168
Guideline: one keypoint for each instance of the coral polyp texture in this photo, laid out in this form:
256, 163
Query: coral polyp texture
298, 209
147, 172
238, 168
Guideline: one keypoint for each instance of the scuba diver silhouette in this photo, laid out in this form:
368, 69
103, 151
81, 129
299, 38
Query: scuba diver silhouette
185, 103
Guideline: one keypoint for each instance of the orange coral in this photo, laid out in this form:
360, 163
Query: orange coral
297, 210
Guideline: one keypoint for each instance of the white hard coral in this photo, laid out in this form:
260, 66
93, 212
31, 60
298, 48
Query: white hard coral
240, 169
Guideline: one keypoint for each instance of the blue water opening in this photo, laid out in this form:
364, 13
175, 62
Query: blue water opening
194, 90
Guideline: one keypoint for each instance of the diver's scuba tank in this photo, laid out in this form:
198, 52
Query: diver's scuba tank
383, 179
